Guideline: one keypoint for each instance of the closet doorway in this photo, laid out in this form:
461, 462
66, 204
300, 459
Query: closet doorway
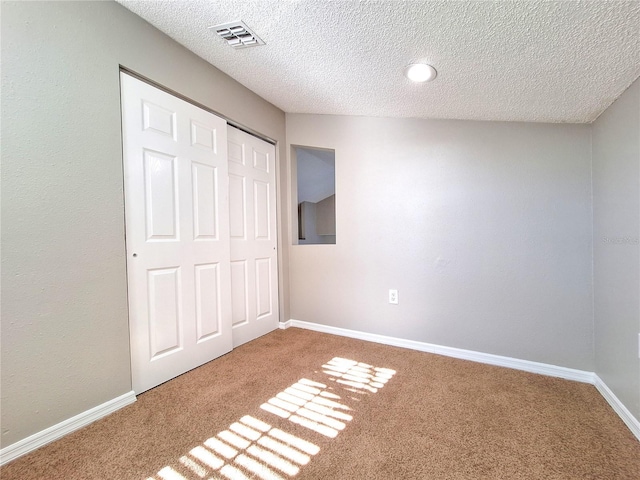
200, 234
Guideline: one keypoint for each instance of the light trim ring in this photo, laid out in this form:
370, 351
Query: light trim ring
420, 72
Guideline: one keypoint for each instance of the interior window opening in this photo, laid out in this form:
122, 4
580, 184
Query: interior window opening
316, 189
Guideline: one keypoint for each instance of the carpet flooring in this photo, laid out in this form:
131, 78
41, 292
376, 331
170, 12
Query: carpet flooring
301, 404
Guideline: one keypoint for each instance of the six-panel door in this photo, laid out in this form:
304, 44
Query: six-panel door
254, 274
177, 233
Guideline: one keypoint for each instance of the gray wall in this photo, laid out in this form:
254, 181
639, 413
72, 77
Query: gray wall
484, 228
65, 336
309, 218
616, 258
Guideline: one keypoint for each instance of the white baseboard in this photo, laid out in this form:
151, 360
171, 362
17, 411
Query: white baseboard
63, 428
284, 325
55, 432
508, 362
622, 411
515, 363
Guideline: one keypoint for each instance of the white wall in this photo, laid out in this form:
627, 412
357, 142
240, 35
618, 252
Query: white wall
316, 174
484, 228
65, 335
616, 258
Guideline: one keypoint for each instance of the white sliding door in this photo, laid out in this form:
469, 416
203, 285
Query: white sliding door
254, 265
177, 224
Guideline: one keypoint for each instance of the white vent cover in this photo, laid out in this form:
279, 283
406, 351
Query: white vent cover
237, 34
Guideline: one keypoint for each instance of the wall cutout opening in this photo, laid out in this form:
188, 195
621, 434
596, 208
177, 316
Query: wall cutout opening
316, 184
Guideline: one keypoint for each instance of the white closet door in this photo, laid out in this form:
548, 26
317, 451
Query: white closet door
177, 233
254, 264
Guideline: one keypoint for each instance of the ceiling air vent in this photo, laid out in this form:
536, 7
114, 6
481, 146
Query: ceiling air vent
237, 34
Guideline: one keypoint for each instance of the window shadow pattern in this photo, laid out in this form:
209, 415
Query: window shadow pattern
254, 448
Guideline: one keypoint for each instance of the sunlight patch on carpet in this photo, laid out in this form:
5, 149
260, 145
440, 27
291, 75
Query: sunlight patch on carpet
252, 448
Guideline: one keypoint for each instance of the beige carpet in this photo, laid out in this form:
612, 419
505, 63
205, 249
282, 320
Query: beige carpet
299, 404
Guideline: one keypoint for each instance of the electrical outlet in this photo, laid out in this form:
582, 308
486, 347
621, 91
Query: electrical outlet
393, 297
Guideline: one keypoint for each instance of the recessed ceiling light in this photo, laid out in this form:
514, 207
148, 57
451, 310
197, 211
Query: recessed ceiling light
420, 72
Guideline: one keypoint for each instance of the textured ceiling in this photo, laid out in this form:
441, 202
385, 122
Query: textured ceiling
563, 61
